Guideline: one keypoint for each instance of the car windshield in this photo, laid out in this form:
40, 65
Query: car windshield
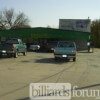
65, 44
12, 41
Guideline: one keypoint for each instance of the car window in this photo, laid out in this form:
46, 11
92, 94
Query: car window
12, 41
65, 44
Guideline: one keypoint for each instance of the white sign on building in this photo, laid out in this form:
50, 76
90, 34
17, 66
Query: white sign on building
83, 25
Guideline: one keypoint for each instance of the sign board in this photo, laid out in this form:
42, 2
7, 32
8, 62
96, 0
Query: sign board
83, 25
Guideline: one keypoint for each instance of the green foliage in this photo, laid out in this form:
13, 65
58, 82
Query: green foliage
95, 32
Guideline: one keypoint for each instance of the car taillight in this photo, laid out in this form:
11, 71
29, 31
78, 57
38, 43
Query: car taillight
75, 51
13, 47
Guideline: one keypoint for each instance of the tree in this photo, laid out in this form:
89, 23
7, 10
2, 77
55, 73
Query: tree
95, 32
10, 20
48, 26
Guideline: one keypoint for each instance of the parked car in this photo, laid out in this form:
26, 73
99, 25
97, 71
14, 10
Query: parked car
34, 47
50, 45
12, 47
65, 49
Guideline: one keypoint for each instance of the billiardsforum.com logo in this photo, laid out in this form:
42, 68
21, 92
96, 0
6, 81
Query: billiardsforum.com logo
62, 91
50, 91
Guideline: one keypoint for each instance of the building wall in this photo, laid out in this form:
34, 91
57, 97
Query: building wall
81, 44
47, 33
36, 33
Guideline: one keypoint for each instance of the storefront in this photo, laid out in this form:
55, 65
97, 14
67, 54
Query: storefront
41, 35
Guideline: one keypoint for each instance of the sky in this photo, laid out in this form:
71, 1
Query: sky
43, 13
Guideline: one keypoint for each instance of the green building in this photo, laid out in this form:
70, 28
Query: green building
41, 35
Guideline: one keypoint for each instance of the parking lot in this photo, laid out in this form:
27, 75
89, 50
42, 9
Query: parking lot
17, 73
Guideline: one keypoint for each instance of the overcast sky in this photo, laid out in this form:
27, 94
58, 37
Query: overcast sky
48, 12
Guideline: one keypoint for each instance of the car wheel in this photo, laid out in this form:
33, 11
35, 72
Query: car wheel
74, 59
16, 54
9, 55
0, 55
24, 53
